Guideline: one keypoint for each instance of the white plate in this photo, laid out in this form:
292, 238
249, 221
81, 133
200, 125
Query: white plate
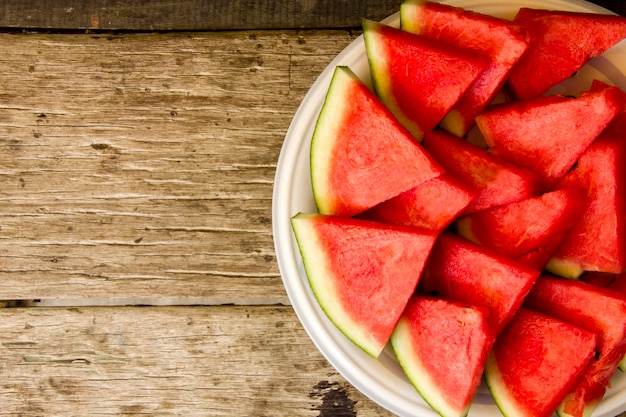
382, 380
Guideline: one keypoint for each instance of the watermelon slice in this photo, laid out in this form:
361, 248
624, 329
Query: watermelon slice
597, 241
417, 78
548, 134
535, 362
614, 282
431, 205
560, 44
494, 180
596, 309
518, 228
362, 273
492, 37
447, 378
463, 271
360, 154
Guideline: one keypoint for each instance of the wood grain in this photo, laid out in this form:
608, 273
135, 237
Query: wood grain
143, 165
168, 361
199, 15
192, 15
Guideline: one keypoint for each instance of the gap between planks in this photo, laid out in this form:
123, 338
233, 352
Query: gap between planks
153, 302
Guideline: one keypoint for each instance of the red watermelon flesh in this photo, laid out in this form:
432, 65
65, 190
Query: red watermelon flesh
431, 205
463, 271
417, 78
362, 273
600, 279
494, 180
535, 362
539, 257
492, 37
619, 283
524, 226
442, 346
560, 44
548, 134
360, 154
597, 241
614, 282
596, 309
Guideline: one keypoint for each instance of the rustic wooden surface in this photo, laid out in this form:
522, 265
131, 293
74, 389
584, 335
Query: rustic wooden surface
142, 165
136, 172
167, 361
201, 14
191, 14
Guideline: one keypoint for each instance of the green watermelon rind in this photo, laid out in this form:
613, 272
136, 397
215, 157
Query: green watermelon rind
377, 58
463, 227
565, 268
417, 373
342, 138
410, 7
414, 19
326, 129
316, 265
590, 407
496, 386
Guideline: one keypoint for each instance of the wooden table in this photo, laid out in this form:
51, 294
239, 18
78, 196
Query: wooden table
138, 147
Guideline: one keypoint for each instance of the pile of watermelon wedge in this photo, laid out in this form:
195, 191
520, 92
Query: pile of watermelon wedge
471, 218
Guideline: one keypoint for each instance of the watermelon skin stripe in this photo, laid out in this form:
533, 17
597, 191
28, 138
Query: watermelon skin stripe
416, 371
362, 273
316, 264
489, 36
596, 309
419, 79
360, 153
447, 378
535, 362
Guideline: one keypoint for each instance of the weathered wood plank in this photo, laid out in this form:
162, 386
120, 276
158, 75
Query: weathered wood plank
143, 165
168, 361
191, 14
201, 14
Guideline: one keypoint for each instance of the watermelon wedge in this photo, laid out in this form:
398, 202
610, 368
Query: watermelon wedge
560, 44
447, 378
518, 228
495, 181
596, 309
362, 273
492, 37
417, 78
614, 282
597, 241
461, 270
535, 362
548, 134
360, 154
431, 205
